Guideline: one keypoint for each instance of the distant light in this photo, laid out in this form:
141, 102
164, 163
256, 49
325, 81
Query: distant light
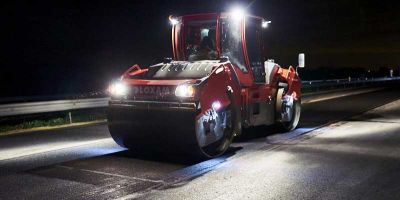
216, 105
173, 20
265, 24
237, 13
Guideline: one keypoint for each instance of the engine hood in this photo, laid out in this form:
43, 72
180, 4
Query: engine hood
178, 70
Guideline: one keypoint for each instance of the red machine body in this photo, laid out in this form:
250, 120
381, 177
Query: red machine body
219, 75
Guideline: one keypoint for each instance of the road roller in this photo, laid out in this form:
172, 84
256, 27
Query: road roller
217, 83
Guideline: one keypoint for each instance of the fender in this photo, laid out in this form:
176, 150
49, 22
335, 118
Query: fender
290, 77
216, 88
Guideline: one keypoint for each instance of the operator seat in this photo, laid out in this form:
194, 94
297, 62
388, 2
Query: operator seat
211, 36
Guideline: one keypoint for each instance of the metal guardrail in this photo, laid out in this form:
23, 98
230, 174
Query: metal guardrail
51, 106
14, 109
350, 81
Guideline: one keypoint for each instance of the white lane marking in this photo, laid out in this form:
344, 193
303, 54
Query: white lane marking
334, 96
130, 196
42, 148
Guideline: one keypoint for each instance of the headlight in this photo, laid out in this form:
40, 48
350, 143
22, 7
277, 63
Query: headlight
118, 89
216, 105
184, 91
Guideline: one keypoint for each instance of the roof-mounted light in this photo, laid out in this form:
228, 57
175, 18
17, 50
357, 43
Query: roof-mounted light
237, 13
265, 24
173, 20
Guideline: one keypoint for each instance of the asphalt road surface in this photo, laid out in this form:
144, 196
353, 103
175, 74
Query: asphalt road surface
344, 148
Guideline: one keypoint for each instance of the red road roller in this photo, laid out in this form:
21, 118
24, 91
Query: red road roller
217, 83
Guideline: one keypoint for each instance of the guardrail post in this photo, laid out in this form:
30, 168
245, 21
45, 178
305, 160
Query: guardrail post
70, 117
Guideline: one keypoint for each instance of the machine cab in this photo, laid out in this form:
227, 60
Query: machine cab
214, 36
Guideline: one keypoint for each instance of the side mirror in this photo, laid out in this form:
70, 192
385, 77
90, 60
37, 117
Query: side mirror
302, 60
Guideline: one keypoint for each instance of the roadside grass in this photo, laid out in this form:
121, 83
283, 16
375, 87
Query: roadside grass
33, 124
17, 123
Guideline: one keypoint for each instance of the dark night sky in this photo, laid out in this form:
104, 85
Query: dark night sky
79, 46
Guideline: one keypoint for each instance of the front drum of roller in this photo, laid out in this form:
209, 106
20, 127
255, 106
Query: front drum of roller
178, 133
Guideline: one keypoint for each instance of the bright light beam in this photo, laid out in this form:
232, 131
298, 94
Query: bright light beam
173, 20
237, 13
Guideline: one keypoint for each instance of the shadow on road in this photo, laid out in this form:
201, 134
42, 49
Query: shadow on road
165, 158
252, 133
